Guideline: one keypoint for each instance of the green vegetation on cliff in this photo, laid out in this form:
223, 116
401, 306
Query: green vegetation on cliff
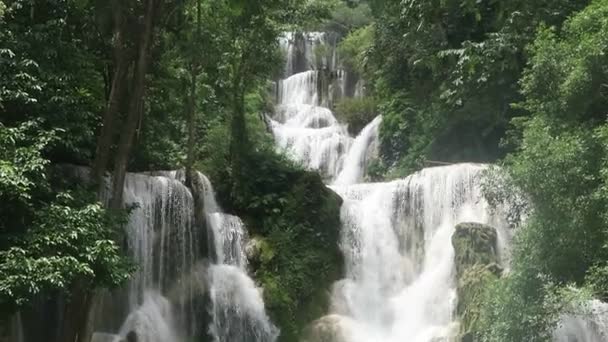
476, 259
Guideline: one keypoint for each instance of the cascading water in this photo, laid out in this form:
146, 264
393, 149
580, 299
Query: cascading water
166, 295
162, 303
591, 326
396, 237
303, 125
237, 307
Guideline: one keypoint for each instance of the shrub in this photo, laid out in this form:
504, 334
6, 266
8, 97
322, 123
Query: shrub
356, 112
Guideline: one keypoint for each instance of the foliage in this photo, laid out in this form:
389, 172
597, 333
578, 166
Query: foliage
347, 17
67, 243
48, 241
560, 165
356, 112
354, 47
37, 61
454, 67
302, 231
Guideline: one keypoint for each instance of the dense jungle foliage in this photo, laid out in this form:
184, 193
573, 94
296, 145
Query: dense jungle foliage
140, 85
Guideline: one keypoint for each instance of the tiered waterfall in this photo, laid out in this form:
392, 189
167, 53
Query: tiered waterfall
396, 237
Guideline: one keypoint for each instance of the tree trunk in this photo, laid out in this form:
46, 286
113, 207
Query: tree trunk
75, 314
104, 140
194, 71
136, 106
239, 141
191, 126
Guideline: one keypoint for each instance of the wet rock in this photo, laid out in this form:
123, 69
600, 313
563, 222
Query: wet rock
476, 265
103, 337
330, 328
474, 243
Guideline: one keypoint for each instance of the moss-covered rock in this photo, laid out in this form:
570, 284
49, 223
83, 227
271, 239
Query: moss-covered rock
303, 240
294, 220
476, 266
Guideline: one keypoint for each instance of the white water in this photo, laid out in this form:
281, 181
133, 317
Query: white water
165, 297
303, 125
591, 326
153, 321
237, 306
396, 239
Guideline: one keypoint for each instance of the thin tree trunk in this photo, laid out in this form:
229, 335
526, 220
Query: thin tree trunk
136, 106
191, 126
104, 140
194, 71
238, 143
75, 314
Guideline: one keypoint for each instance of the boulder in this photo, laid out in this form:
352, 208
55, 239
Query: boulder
332, 328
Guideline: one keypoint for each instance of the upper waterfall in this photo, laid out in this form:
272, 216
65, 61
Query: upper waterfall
303, 124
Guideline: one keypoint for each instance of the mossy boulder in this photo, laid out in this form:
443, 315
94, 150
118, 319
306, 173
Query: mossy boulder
476, 262
294, 220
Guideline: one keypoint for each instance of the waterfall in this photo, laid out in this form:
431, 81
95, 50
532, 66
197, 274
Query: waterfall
308, 50
237, 306
303, 125
591, 326
396, 237
396, 240
363, 149
152, 321
161, 301
165, 299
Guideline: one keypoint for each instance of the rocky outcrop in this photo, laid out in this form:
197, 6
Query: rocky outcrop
327, 329
476, 265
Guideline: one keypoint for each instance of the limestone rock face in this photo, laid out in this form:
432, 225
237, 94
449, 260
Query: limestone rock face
476, 265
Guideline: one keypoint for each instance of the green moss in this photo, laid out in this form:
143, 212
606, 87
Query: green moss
356, 112
474, 244
304, 239
476, 267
